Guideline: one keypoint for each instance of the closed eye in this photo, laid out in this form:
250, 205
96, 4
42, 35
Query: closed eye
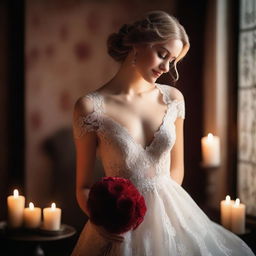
162, 56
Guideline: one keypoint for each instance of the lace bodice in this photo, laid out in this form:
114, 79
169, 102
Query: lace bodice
173, 224
120, 154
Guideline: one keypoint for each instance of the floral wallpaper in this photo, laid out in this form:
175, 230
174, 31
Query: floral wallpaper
247, 106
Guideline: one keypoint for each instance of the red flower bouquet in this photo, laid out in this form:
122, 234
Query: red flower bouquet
116, 204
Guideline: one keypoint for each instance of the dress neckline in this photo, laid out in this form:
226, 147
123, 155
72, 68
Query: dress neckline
126, 131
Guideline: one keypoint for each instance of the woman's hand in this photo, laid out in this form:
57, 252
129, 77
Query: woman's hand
107, 235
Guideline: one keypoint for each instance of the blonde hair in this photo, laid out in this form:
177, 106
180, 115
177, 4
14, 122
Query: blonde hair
155, 26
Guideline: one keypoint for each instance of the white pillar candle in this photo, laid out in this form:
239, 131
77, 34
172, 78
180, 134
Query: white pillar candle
210, 150
238, 217
15, 206
52, 218
32, 216
225, 212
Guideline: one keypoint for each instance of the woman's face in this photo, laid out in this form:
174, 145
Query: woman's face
152, 60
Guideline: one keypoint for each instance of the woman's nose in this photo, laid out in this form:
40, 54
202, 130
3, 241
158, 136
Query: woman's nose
164, 66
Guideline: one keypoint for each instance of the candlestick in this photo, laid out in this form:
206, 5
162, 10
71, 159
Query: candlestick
225, 211
15, 205
32, 216
52, 218
238, 217
210, 150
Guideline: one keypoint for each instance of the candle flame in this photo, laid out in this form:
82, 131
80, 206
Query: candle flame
53, 206
15, 193
237, 202
228, 199
31, 206
210, 137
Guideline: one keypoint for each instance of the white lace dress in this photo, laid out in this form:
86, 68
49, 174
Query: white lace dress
174, 224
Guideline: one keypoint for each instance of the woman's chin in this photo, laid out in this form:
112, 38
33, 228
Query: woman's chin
150, 79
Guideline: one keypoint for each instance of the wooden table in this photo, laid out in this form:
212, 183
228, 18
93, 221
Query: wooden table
36, 236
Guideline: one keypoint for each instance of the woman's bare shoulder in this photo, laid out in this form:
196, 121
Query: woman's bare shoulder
174, 93
83, 105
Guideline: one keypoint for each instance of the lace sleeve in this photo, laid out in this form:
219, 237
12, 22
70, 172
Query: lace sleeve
181, 109
83, 124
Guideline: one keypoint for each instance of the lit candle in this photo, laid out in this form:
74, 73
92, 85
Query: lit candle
225, 211
32, 216
210, 150
238, 217
52, 218
15, 205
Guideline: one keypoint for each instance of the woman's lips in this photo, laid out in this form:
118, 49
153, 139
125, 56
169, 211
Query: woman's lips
157, 74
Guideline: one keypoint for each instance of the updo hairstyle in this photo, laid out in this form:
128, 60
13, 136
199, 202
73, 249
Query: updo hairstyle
155, 26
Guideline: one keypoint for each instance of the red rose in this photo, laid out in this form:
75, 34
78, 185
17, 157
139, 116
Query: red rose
116, 204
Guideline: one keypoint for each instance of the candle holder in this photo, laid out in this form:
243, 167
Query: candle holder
210, 182
47, 232
207, 166
35, 236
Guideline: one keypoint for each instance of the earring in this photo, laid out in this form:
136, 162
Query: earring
134, 59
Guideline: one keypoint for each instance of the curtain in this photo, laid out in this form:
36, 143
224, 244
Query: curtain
246, 185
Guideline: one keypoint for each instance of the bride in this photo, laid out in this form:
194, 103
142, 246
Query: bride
136, 126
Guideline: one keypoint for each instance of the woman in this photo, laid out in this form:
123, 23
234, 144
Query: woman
137, 127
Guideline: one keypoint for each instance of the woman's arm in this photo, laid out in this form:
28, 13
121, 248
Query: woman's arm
177, 153
86, 146
85, 159
85, 155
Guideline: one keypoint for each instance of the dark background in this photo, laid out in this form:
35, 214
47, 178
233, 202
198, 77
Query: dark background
192, 14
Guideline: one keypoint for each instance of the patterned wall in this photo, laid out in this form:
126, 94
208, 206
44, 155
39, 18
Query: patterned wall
247, 106
65, 58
